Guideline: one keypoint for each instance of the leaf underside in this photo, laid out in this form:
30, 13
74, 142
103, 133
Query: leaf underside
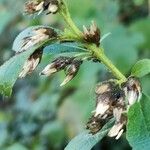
138, 127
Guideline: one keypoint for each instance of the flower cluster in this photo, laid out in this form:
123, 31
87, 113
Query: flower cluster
92, 35
70, 65
111, 103
39, 6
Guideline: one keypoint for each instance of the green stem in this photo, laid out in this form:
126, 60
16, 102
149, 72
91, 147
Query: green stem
96, 51
66, 15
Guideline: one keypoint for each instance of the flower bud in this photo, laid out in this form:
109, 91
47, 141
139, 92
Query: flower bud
92, 35
71, 71
132, 89
31, 63
58, 64
36, 6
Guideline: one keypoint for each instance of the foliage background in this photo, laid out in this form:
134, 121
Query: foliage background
40, 115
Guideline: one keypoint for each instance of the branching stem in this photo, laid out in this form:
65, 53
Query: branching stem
96, 51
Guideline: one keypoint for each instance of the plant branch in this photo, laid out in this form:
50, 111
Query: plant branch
96, 51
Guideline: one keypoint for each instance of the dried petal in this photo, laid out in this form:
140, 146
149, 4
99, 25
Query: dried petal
31, 63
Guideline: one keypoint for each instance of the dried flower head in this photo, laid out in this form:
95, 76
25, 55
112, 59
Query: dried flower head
132, 90
109, 103
58, 64
92, 35
71, 71
69, 64
31, 63
39, 6
32, 36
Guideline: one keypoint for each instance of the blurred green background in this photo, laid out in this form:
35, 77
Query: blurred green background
41, 115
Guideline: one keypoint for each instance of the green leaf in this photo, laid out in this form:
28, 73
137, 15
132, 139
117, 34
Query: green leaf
86, 141
58, 48
141, 68
138, 127
10, 70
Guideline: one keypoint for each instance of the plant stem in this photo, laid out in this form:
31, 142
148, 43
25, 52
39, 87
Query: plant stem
66, 15
96, 51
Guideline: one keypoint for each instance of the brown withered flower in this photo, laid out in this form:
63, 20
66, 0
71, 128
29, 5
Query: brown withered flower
56, 65
39, 6
92, 34
23, 43
71, 71
32, 36
31, 63
39, 35
109, 104
69, 64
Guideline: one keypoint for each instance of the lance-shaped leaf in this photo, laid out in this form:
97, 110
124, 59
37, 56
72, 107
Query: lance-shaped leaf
86, 141
138, 127
10, 70
67, 47
141, 68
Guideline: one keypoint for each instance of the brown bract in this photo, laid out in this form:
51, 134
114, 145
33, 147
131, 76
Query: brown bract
92, 34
